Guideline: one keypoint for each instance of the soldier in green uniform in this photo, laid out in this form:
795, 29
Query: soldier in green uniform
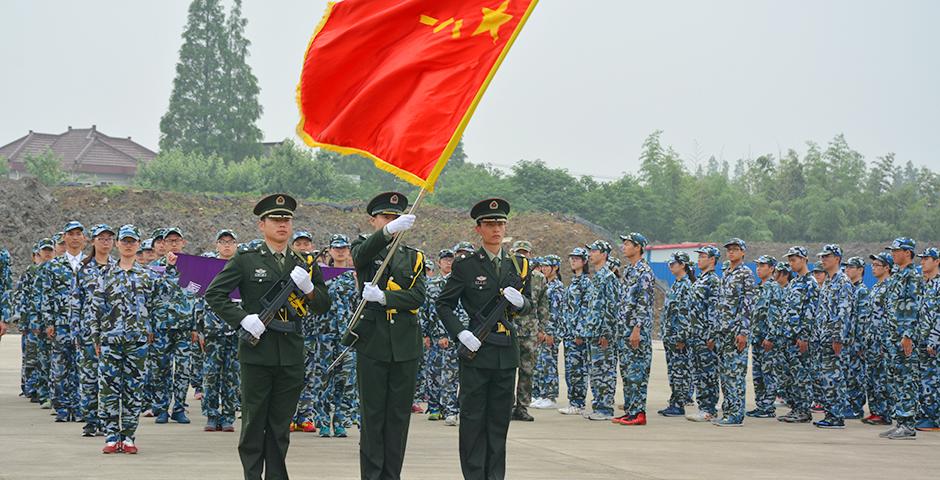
390, 341
487, 382
272, 372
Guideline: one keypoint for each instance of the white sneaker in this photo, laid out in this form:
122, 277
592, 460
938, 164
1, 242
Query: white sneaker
699, 417
451, 421
536, 402
546, 404
597, 416
779, 402
571, 410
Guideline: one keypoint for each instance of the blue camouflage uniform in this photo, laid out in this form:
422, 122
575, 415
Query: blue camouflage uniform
442, 378
6, 286
734, 314
605, 308
338, 401
929, 404
704, 313
88, 358
676, 325
765, 320
853, 364
904, 322
873, 338
802, 296
636, 312
22, 308
832, 324
120, 323
546, 376
577, 321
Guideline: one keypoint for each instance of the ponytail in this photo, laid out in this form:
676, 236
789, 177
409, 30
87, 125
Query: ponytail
690, 272
90, 257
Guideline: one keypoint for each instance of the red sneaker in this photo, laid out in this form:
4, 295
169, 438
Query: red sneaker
619, 419
874, 420
308, 427
639, 419
416, 408
129, 447
111, 447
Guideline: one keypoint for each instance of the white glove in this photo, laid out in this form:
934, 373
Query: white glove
253, 324
302, 279
371, 293
400, 224
469, 340
514, 297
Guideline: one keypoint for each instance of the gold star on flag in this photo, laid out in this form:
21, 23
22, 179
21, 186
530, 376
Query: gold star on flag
492, 20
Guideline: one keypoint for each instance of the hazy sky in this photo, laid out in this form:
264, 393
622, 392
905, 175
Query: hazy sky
585, 83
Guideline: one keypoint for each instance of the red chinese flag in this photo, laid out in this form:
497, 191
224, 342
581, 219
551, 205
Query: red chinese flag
397, 80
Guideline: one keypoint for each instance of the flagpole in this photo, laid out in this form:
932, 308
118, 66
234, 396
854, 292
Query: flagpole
357, 315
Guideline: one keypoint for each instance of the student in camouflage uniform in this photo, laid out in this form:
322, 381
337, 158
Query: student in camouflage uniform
30, 316
777, 340
21, 316
635, 329
6, 291
676, 326
120, 326
832, 324
903, 336
545, 385
873, 336
929, 411
853, 364
92, 266
801, 299
220, 369
151, 378
734, 307
765, 315
442, 374
704, 313
302, 243
600, 330
576, 330
338, 401
57, 282
527, 329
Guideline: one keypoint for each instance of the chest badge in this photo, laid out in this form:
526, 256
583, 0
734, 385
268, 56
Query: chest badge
480, 281
261, 273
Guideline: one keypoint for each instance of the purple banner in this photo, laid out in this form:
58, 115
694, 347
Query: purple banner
330, 273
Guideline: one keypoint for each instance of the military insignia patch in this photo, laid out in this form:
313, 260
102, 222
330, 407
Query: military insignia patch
393, 200
494, 205
480, 281
261, 273
279, 200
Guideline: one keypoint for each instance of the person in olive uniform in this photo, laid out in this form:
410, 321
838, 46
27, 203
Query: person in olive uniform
487, 383
272, 372
389, 337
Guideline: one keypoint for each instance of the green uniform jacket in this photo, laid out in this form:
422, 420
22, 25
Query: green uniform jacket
473, 282
253, 272
383, 335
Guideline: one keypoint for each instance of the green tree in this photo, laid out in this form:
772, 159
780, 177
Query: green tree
240, 92
46, 167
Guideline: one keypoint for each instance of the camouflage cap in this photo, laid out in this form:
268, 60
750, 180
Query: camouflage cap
710, 250
338, 240
856, 262
536, 262
818, 268
521, 245
766, 260
158, 234
883, 257
44, 243
146, 245
301, 234
428, 264
830, 249
902, 243
225, 233
175, 230
638, 239
782, 267
464, 247
931, 252
101, 228
736, 241
445, 253
552, 260
58, 238
600, 245
680, 257
128, 231
614, 262
798, 250
73, 225
579, 252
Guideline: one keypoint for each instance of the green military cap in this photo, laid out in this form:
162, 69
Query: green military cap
158, 234
279, 205
225, 233
521, 245
490, 209
388, 203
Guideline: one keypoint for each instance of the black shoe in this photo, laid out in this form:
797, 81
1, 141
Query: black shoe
522, 415
34, 399
88, 431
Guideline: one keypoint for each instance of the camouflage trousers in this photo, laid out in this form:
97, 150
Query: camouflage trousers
603, 373
876, 382
120, 377
38, 380
149, 395
197, 361
704, 375
635, 372
88, 381
903, 382
576, 371
421, 387
929, 405
313, 382
764, 375
442, 380
63, 375
528, 354
338, 400
796, 377
220, 378
545, 384
855, 373
29, 346
831, 379
679, 374
171, 375
732, 376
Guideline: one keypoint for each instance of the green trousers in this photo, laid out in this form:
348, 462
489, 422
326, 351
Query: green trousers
269, 398
486, 399
386, 391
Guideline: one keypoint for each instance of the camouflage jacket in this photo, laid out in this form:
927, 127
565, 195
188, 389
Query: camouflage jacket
861, 311
735, 301
871, 329
930, 312
577, 308
555, 322
6, 287
530, 324
57, 282
704, 311
768, 316
22, 303
904, 304
82, 295
833, 320
676, 322
121, 304
344, 299
434, 329
177, 310
636, 309
605, 304
802, 296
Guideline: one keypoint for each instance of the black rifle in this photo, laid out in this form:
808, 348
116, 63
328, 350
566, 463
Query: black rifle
274, 300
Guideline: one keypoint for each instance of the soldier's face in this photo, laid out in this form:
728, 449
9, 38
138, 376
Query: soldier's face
74, 239
445, 264
303, 245
576, 263
705, 262
820, 277
677, 269
381, 220
929, 265
104, 242
764, 271
630, 249
492, 232
159, 248
901, 256
149, 256
46, 254
128, 247
879, 269
339, 254
276, 229
735, 253
783, 278
796, 263
174, 243
830, 262
854, 273
60, 248
225, 246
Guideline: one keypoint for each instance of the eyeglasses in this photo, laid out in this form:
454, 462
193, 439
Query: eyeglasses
226, 242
